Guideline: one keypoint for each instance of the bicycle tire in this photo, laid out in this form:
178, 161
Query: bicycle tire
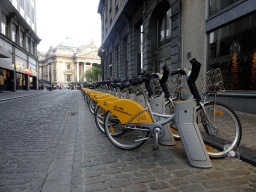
123, 138
92, 105
229, 134
99, 118
85, 98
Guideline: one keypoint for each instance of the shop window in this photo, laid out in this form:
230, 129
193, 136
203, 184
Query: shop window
217, 5
164, 29
4, 25
2, 76
233, 49
31, 83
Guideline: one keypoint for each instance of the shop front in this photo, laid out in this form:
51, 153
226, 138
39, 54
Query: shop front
20, 81
233, 49
6, 78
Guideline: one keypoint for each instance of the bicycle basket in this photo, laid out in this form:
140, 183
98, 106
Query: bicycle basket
175, 84
157, 89
210, 82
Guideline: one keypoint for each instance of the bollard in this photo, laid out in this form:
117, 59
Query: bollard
185, 119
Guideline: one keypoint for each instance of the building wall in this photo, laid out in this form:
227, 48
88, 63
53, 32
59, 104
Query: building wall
19, 40
193, 32
127, 39
79, 58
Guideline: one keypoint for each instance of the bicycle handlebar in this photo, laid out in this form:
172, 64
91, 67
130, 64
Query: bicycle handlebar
191, 77
163, 81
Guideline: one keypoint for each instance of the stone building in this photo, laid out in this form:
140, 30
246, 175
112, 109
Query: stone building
67, 63
146, 34
18, 45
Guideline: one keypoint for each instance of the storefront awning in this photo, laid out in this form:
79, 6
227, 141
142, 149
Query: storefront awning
4, 53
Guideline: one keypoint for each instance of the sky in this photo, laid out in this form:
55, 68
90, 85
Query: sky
59, 19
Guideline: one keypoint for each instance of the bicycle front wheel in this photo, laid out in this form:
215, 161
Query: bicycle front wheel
227, 131
92, 105
121, 137
99, 118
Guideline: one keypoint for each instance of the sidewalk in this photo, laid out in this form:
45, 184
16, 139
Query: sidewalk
247, 147
8, 95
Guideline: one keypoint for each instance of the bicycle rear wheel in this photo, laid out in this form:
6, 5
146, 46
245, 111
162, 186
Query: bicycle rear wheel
121, 137
227, 133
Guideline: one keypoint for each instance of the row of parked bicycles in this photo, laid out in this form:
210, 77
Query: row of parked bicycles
131, 110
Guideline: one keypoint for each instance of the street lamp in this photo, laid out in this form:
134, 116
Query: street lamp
50, 73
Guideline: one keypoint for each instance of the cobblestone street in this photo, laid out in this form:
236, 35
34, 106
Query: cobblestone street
49, 142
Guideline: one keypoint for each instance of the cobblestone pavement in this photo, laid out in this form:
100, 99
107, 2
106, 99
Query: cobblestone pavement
50, 143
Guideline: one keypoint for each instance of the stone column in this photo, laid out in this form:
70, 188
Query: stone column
77, 72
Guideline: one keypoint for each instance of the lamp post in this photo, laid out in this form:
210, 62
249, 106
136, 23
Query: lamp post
50, 73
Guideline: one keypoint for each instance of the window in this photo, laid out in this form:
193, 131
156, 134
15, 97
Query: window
27, 44
32, 15
139, 43
164, 29
117, 61
32, 48
14, 32
125, 57
15, 3
22, 5
21, 39
27, 11
68, 78
4, 25
110, 6
116, 4
32, 3
218, 5
68, 66
233, 49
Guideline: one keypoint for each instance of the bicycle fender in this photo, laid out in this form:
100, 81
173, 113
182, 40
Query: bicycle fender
97, 95
103, 103
125, 110
102, 96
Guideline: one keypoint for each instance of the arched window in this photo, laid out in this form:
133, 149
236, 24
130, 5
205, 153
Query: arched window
164, 29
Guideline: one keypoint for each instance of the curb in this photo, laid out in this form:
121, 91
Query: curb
11, 98
248, 155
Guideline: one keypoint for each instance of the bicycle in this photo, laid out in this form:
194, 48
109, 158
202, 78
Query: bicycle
143, 125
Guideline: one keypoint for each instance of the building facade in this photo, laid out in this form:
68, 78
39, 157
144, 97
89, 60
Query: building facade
18, 45
146, 34
67, 63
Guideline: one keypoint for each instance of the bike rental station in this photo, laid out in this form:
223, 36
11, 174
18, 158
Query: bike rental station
131, 110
